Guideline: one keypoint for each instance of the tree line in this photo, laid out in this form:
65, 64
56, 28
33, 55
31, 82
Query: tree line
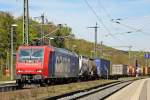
6, 21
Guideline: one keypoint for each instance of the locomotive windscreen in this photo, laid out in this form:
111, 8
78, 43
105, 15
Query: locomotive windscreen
30, 55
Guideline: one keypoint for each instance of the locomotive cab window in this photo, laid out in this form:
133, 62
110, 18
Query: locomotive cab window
37, 55
24, 54
30, 55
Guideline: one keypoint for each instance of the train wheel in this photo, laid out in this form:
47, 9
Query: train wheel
20, 84
42, 83
48, 82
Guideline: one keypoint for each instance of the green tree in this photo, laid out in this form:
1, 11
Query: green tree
61, 34
33, 30
6, 20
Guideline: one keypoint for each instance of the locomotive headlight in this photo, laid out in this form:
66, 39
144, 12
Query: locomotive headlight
39, 71
19, 71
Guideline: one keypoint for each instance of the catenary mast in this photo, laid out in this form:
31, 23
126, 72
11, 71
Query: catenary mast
26, 22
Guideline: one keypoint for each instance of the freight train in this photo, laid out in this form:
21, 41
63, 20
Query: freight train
45, 64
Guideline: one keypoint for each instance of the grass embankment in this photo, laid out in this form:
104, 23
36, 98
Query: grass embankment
41, 92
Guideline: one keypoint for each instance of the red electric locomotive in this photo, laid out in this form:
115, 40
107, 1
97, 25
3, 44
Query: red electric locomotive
40, 64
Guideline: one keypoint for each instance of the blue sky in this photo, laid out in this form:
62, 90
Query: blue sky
77, 15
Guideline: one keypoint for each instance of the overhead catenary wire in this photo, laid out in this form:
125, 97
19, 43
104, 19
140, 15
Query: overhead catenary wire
49, 33
129, 32
130, 27
105, 10
108, 15
111, 18
100, 20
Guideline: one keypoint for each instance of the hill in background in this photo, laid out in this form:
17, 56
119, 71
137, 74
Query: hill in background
83, 47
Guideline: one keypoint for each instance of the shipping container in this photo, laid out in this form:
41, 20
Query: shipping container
83, 65
147, 70
119, 69
103, 67
131, 70
143, 70
66, 64
86, 66
139, 71
92, 67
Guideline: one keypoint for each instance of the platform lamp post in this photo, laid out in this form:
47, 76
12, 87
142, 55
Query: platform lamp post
12, 32
50, 38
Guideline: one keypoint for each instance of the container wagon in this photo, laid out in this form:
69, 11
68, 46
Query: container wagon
92, 68
147, 70
131, 71
143, 70
119, 70
83, 66
103, 67
87, 67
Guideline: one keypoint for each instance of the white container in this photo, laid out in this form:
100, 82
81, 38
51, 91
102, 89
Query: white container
119, 69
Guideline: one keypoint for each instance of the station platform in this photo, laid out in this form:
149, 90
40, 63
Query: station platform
7, 82
138, 90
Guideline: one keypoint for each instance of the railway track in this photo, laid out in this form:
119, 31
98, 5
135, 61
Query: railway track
95, 93
11, 86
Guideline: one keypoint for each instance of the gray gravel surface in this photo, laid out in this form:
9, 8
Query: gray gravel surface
138, 90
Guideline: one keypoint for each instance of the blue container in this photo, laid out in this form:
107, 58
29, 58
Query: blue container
102, 66
63, 63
